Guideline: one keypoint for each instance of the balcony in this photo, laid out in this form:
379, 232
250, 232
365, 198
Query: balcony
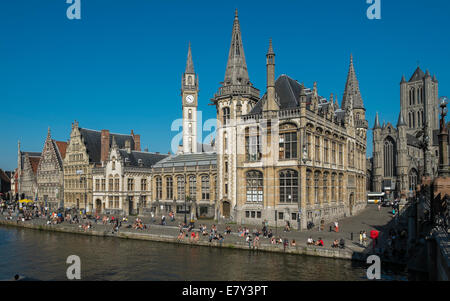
237, 90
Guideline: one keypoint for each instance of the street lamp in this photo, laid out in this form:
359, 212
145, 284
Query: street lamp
423, 145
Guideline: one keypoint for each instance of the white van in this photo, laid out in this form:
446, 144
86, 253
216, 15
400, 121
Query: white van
375, 197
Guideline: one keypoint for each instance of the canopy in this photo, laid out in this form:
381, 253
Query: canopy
25, 201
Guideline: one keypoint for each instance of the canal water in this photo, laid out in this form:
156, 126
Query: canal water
42, 255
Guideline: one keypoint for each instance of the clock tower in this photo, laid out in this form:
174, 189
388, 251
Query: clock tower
189, 94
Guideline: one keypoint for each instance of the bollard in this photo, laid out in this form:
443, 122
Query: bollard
351, 236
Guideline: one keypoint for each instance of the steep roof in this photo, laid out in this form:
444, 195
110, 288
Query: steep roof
352, 94
62, 147
236, 72
287, 94
34, 161
4, 176
189, 62
418, 75
93, 142
141, 159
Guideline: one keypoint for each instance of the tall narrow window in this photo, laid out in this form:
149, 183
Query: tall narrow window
288, 142
158, 188
205, 188
389, 157
254, 180
316, 187
325, 187
317, 152
252, 144
193, 188
169, 188
180, 188
308, 186
288, 186
226, 115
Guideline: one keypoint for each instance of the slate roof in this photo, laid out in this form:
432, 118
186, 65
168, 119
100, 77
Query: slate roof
4, 176
140, 159
287, 95
92, 140
188, 159
418, 75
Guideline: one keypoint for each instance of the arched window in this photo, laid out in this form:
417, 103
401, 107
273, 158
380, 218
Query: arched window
158, 188
288, 186
205, 188
116, 183
254, 180
418, 118
413, 175
180, 188
193, 187
390, 155
169, 188
189, 80
226, 115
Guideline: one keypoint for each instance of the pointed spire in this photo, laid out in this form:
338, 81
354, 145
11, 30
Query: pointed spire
189, 62
377, 122
114, 144
48, 133
401, 121
352, 93
270, 51
427, 73
336, 103
236, 72
403, 79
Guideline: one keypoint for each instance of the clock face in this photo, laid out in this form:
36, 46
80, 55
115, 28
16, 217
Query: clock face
190, 99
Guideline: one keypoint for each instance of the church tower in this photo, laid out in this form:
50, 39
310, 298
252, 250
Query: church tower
235, 97
189, 99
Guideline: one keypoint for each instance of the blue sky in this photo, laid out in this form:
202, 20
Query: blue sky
119, 67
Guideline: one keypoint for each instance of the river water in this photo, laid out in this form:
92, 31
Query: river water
42, 255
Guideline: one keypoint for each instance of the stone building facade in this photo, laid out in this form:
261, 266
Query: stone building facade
27, 164
397, 162
185, 183
50, 173
292, 155
123, 185
88, 149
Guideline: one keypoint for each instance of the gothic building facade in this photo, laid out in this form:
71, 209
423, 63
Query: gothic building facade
27, 164
88, 149
123, 184
291, 155
50, 173
398, 159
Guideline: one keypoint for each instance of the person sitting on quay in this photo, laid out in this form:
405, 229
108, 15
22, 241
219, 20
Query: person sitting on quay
293, 243
287, 227
310, 241
269, 234
228, 230
335, 244
319, 242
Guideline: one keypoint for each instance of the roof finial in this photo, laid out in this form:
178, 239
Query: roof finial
236, 13
270, 51
48, 133
189, 62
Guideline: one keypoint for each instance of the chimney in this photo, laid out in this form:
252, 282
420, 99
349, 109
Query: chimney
137, 142
105, 145
128, 146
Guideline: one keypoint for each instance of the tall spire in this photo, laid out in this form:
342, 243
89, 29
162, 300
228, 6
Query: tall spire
189, 62
352, 89
401, 121
236, 72
377, 122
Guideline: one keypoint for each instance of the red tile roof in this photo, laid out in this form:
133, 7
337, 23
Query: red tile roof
62, 146
34, 161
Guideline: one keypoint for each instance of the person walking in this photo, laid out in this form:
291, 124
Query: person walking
360, 237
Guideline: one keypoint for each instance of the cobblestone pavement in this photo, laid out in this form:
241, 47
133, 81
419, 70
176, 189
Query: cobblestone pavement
368, 219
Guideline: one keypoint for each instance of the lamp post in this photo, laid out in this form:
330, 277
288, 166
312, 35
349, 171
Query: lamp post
423, 145
443, 139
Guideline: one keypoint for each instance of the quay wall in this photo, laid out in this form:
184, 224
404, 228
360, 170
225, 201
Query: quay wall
297, 250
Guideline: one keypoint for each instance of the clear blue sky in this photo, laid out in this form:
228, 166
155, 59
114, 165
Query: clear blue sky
119, 67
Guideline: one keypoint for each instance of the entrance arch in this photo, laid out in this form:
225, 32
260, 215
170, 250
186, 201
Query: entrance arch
98, 206
226, 209
351, 202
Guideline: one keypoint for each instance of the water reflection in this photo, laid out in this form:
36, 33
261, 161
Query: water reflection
42, 255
